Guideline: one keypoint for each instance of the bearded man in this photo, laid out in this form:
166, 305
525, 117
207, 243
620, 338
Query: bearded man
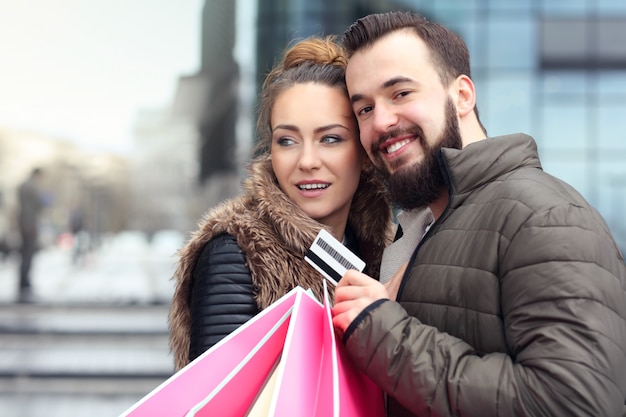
511, 295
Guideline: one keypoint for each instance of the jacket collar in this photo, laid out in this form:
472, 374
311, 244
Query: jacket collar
481, 162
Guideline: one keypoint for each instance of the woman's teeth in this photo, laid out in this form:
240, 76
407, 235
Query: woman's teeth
312, 186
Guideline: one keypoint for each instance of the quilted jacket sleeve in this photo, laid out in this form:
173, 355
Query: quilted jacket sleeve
222, 294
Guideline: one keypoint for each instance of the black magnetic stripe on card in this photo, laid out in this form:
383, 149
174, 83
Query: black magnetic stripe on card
323, 265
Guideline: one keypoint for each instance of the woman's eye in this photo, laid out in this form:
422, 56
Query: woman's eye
284, 141
331, 139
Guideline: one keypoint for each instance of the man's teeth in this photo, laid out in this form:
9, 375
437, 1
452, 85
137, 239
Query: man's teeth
312, 186
397, 145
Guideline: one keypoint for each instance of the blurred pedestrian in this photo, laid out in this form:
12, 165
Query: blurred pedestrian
79, 235
4, 230
30, 206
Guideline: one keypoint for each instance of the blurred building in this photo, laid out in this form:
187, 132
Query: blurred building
209, 97
164, 179
208, 101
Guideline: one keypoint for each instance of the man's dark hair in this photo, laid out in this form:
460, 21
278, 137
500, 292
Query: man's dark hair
448, 51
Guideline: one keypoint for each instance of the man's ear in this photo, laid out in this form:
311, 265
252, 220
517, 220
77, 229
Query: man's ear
465, 94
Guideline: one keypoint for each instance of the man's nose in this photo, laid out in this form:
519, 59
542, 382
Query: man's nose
384, 118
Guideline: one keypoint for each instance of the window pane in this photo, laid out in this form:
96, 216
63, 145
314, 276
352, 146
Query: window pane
470, 30
564, 126
583, 43
612, 83
565, 84
506, 104
610, 7
562, 7
511, 43
573, 172
610, 46
511, 5
564, 39
612, 127
612, 197
453, 6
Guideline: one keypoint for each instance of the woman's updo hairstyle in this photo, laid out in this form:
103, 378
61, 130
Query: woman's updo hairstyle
316, 60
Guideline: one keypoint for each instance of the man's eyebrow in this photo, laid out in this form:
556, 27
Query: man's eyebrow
389, 83
356, 98
396, 80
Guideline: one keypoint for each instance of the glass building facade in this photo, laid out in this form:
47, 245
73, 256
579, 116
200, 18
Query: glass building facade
554, 69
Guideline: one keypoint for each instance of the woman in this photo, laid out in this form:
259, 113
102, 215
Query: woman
311, 173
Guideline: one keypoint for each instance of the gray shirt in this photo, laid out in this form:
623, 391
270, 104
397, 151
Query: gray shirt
415, 224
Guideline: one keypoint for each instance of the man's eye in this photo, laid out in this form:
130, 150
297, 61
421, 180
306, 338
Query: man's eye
364, 110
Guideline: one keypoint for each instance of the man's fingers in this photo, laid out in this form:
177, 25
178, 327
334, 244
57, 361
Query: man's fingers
350, 292
353, 277
341, 323
344, 313
354, 292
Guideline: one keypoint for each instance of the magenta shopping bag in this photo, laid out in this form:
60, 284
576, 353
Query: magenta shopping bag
260, 339
285, 361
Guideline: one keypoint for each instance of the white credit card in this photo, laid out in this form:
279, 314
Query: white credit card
331, 258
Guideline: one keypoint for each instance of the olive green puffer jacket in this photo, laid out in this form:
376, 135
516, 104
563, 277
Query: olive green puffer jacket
514, 304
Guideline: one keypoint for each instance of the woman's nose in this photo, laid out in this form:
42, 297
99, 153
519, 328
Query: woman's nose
309, 158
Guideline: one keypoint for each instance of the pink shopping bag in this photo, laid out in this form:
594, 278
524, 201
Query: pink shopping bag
285, 361
297, 370
354, 394
258, 342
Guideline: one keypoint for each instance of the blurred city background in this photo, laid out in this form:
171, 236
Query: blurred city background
141, 116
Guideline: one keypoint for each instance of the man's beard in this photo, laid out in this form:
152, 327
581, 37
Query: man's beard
420, 184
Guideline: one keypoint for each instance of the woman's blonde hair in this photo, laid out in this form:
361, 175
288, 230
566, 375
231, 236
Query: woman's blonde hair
317, 59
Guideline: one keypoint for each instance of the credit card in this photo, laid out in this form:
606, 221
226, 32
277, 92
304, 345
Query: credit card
331, 258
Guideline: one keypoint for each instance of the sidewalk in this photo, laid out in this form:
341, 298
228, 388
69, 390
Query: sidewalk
125, 269
95, 340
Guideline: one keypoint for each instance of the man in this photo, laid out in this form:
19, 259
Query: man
30, 206
513, 302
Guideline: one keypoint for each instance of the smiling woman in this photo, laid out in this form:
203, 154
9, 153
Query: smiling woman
311, 173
